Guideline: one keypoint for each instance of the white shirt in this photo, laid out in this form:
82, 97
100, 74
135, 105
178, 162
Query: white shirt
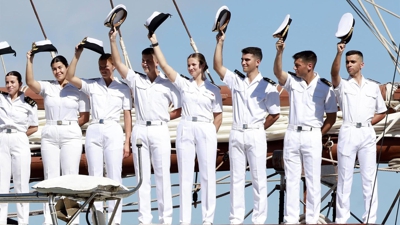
251, 101
107, 102
359, 103
17, 114
63, 103
152, 99
309, 102
198, 101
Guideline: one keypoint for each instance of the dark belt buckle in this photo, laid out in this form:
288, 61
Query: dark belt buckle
194, 119
59, 122
101, 121
299, 128
245, 126
8, 131
358, 125
148, 123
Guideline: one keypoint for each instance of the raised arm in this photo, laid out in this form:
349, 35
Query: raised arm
218, 65
168, 70
30, 80
279, 73
76, 81
119, 65
336, 65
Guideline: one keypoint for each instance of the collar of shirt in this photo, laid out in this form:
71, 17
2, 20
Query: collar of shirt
256, 79
314, 80
363, 81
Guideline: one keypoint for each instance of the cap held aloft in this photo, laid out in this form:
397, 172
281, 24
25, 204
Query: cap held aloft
155, 20
5, 48
116, 16
283, 29
92, 44
222, 19
43, 46
345, 28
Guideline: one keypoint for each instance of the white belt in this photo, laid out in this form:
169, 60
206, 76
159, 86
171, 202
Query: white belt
357, 125
102, 121
61, 122
8, 130
196, 119
247, 126
302, 128
150, 123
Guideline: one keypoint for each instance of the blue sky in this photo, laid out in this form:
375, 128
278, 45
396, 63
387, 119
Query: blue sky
313, 27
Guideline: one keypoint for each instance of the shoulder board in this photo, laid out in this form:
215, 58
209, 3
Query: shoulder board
269, 80
214, 85
374, 81
239, 74
141, 74
187, 78
325, 81
3, 92
94, 78
30, 101
291, 73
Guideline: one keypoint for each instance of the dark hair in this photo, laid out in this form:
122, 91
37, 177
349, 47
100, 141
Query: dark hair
16, 74
355, 52
254, 51
60, 59
148, 51
307, 56
106, 56
201, 58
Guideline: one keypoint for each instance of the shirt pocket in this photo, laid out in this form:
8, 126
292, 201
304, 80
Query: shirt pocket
71, 102
20, 115
370, 101
351, 97
115, 99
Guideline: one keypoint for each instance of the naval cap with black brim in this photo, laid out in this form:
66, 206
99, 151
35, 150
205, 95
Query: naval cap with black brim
155, 20
345, 28
222, 19
283, 29
116, 16
92, 44
43, 46
5, 48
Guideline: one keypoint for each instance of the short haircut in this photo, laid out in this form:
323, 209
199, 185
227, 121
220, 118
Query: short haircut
106, 56
254, 51
355, 52
306, 56
148, 51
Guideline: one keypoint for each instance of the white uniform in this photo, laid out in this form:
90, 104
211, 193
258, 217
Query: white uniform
61, 143
357, 138
302, 143
15, 155
152, 100
248, 142
196, 134
104, 136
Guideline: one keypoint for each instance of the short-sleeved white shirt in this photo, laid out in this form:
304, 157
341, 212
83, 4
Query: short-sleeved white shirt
17, 114
251, 101
359, 103
63, 103
107, 102
309, 102
198, 101
152, 99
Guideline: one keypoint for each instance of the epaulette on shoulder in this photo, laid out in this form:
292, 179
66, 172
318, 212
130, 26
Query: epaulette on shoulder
325, 81
291, 73
141, 74
96, 78
240, 74
269, 80
374, 81
3, 92
30, 101
187, 78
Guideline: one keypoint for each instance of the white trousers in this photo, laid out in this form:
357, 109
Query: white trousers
302, 147
105, 143
15, 160
358, 142
156, 152
197, 138
61, 148
248, 146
